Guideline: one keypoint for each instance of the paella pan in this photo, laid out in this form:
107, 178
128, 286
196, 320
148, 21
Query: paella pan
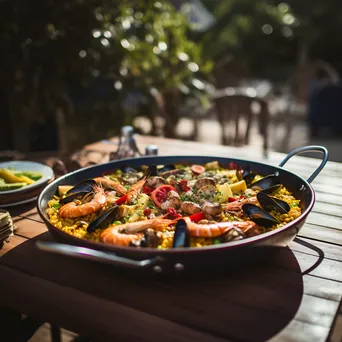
170, 214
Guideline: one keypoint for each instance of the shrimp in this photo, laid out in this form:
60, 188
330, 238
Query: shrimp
158, 223
237, 205
76, 208
124, 234
111, 184
112, 236
135, 189
216, 229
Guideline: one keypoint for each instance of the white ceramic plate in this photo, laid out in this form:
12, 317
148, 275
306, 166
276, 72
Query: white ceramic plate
45, 170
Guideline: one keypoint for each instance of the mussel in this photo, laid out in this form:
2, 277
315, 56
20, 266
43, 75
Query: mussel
272, 189
167, 167
181, 237
79, 190
128, 169
249, 177
104, 219
266, 183
245, 175
271, 203
259, 216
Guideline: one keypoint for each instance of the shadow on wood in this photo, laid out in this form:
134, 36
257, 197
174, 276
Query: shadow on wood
252, 303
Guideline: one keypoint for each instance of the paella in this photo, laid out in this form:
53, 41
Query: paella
170, 206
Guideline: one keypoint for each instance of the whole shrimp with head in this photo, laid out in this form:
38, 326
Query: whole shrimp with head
88, 204
216, 229
136, 188
125, 234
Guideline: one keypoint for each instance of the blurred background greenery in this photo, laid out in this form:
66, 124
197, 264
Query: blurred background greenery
75, 71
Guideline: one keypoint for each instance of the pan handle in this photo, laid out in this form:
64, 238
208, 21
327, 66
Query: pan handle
92, 254
312, 148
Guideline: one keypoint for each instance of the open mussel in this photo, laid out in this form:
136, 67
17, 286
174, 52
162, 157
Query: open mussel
272, 189
128, 169
104, 219
79, 190
181, 237
259, 216
266, 183
249, 177
271, 203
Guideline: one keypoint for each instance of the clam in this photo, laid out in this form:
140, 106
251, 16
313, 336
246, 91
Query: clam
181, 237
233, 234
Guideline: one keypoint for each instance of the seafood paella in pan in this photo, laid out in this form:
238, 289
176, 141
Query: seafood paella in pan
173, 206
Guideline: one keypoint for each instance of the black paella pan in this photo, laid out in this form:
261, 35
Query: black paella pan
213, 258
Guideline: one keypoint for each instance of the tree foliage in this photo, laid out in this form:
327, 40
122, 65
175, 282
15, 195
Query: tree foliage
84, 57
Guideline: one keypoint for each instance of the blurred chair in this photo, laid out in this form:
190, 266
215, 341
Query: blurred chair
231, 109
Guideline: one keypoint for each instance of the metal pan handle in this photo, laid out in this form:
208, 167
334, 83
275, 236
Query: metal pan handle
313, 148
92, 254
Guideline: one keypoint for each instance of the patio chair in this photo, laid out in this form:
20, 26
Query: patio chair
231, 109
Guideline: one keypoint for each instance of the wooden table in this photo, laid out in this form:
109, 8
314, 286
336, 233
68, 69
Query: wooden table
295, 296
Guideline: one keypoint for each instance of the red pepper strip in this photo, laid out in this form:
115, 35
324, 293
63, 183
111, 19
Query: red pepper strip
197, 217
232, 199
121, 200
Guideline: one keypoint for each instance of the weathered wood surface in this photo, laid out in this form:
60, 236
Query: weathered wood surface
293, 297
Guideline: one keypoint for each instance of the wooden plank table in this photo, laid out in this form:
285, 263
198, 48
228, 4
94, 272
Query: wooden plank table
295, 296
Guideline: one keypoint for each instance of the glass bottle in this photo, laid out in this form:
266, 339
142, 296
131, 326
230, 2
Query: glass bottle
151, 150
127, 145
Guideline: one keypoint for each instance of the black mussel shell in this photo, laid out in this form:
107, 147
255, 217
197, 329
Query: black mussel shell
73, 196
128, 169
174, 172
79, 190
87, 185
165, 168
259, 216
272, 189
246, 171
181, 237
270, 203
265, 182
153, 170
249, 177
104, 219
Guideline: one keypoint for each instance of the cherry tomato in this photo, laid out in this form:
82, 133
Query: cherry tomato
197, 169
147, 212
159, 195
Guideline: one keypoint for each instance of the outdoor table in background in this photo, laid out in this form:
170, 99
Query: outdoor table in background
293, 297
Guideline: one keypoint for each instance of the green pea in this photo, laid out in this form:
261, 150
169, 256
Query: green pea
117, 222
